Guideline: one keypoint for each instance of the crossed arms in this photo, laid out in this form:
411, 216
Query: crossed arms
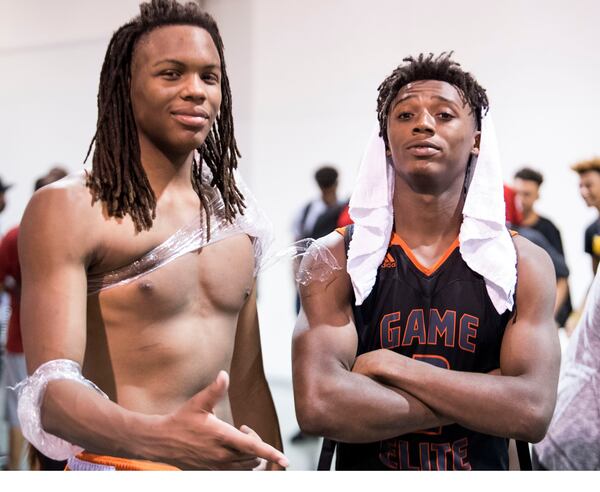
382, 394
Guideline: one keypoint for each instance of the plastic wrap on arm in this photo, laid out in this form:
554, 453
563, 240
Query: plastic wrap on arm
31, 396
316, 262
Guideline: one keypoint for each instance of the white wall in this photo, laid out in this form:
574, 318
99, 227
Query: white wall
50, 54
304, 75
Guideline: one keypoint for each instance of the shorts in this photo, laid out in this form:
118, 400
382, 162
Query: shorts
93, 462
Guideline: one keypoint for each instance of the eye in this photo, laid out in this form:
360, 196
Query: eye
170, 74
445, 116
211, 78
404, 115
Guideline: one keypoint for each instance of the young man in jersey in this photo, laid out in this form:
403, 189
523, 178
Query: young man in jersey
589, 187
428, 373
158, 345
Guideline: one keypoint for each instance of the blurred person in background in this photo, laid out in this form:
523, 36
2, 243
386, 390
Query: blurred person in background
527, 183
4, 305
319, 217
16, 370
589, 187
3, 189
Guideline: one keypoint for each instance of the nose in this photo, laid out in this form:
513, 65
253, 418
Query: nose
194, 88
424, 123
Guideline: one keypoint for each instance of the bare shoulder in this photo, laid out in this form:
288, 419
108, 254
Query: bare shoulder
329, 249
61, 213
325, 281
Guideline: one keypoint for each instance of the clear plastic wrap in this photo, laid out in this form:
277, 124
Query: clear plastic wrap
31, 396
193, 236
315, 261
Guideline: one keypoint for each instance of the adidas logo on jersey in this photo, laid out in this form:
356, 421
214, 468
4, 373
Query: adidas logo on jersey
389, 261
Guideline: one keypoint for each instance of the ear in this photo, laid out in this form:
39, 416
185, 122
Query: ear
476, 143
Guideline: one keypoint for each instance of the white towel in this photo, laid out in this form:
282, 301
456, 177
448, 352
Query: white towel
485, 243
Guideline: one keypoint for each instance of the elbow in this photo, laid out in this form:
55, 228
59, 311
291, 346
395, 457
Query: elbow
534, 423
310, 420
312, 412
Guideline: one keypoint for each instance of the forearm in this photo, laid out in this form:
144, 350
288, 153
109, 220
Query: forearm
493, 404
562, 289
256, 409
82, 417
350, 407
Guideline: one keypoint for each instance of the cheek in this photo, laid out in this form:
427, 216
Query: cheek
140, 102
463, 143
216, 97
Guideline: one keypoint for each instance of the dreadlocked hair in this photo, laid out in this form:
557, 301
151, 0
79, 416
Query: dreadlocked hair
117, 177
430, 67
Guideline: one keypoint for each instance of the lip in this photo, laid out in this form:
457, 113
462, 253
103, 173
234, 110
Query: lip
191, 117
423, 143
423, 148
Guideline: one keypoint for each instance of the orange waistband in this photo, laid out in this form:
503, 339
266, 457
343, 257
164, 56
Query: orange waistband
118, 464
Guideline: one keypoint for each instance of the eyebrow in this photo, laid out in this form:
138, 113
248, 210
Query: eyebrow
410, 96
212, 66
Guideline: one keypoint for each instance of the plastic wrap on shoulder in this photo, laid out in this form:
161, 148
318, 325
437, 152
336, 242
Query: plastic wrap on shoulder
194, 236
316, 262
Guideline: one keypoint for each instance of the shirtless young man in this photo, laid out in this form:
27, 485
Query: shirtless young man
161, 345
427, 373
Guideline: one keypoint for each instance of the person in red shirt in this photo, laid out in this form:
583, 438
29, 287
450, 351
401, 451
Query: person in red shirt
10, 281
16, 369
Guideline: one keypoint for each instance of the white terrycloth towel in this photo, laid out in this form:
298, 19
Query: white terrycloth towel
485, 243
373, 215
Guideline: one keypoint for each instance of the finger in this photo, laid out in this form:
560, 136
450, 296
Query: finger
247, 430
262, 466
208, 398
250, 464
255, 446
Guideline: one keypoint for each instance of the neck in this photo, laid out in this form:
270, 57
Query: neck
165, 169
427, 219
329, 197
529, 218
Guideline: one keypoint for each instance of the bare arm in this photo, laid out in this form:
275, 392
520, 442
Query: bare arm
518, 403
251, 401
330, 399
562, 289
57, 242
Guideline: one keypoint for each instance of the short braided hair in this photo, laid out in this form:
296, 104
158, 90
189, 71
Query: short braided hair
430, 67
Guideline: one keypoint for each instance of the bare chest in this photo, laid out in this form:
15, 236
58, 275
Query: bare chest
215, 279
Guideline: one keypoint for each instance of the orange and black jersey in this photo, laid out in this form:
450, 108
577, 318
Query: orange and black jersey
443, 316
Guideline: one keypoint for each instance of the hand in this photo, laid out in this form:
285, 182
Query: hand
194, 438
369, 363
262, 466
362, 364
